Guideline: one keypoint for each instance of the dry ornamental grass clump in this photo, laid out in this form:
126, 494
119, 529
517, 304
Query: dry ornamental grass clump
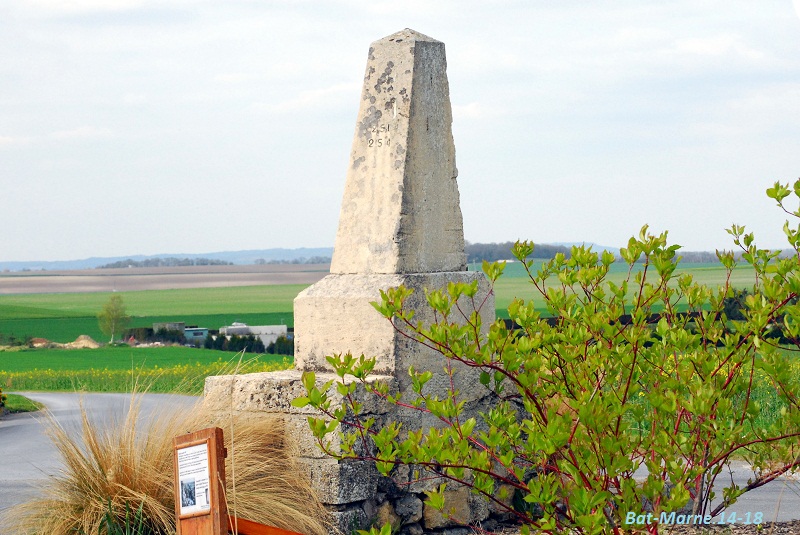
127, 465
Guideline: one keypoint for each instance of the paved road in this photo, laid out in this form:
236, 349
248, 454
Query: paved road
777, 501
26, 455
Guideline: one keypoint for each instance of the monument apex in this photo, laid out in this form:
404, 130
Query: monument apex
400, 212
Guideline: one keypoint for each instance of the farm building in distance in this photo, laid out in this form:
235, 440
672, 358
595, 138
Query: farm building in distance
169, 326
195, 335
266, 333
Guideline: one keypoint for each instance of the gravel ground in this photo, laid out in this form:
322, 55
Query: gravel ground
777, 528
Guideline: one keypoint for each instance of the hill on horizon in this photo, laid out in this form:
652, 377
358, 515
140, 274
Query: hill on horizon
475, 252
234, 257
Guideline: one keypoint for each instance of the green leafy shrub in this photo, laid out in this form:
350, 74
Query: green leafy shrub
648, 373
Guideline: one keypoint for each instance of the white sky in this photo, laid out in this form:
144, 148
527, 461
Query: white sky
141, 127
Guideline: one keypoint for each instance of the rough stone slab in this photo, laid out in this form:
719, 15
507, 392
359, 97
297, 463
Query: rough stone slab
306, 445
409, 507
456, 505
412, 529
508, 500
462, 506
415, 479
400, 212
349, 521
386, 515
273, 392
342, 482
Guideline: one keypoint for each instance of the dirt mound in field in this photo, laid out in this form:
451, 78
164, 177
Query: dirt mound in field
82, 342
41, 342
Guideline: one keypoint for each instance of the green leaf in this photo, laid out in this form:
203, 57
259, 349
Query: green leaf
485, 378
309, 380
300, 402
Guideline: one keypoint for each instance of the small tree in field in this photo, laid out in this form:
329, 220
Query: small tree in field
113, 318
604, 375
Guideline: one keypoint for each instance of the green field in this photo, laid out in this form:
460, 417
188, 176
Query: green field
116, 358
233, 300
63, 317
514, 283
120, 369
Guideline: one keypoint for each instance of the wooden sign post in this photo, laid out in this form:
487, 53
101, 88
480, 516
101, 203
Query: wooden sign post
200, 506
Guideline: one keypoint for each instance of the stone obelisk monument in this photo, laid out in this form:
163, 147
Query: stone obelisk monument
400, 224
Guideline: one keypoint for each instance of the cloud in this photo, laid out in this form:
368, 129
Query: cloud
102, 13
235, 77
467, 111
719, 45
83, 132
62, 7
476, 110
133, 99
9, 141
637, 37
312, 99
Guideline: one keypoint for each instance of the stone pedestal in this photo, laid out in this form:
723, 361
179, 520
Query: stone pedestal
341, 302
347, 487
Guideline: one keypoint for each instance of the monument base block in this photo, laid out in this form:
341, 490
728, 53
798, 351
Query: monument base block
341, 302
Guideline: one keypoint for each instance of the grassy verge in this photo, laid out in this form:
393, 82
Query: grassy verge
117, 358
17, 403
123, 369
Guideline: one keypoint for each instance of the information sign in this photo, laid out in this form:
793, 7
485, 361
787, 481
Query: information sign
193, 478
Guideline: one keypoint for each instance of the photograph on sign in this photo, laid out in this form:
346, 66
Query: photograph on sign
193, 479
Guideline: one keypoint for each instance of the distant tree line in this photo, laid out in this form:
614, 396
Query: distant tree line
281, 346
147, 335
491, 252
301, 260
165, 262
249, 343
14, 341
698, 257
